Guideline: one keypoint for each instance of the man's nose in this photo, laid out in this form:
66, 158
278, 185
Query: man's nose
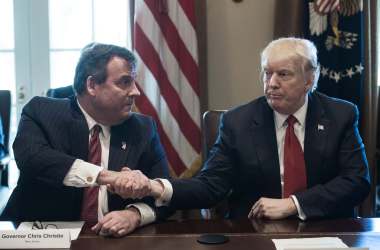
134, 91
273, 81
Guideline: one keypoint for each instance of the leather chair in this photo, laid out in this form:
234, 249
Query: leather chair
210, 126
62, 92
5, 115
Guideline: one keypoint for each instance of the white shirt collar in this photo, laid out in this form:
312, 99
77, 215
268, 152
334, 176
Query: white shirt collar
106, 130
300, 114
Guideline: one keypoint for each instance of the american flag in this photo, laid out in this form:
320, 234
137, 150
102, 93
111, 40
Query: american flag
167, 74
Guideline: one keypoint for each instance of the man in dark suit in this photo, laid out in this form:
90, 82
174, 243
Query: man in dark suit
68, 150
292, 152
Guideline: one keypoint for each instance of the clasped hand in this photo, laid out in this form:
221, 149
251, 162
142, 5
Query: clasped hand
126, 183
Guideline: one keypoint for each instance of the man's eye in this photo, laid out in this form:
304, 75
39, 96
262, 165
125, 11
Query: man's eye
127, 82
267, 74
285, 75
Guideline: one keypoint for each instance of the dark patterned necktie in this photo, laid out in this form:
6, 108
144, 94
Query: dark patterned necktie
89, 211
294, 162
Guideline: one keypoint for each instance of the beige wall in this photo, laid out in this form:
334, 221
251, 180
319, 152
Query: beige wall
236, 33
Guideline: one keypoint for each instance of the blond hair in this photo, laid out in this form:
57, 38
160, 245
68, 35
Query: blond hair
300, 48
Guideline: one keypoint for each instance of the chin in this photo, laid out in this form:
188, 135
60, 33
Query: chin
282, 111
278, 108
273, 104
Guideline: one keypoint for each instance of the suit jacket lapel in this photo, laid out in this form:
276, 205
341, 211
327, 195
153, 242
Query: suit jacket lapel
78, 132
316, 134
123, 145
124, 138
264, 138
119, 149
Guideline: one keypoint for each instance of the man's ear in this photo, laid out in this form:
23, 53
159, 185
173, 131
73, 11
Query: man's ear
309, 82
308, 85
90, 85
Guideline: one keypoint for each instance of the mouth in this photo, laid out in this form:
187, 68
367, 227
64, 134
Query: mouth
130, 102
274, 96
128, 106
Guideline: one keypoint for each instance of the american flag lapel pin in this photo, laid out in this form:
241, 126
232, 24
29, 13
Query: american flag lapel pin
321, 127
123, 145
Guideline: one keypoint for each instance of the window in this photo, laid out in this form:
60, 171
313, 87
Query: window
40, 48
7, 45
41, 40
73, 24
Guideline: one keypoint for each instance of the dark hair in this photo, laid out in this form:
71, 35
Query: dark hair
93, 62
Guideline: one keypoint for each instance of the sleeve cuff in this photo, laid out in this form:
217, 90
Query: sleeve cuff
301, 214
82, 174
146, 212
167, 194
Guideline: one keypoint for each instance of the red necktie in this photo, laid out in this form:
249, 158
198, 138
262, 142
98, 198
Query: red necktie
294, 162
90, 195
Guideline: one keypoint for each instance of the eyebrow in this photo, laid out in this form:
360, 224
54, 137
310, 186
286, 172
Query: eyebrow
126, 77
278, 70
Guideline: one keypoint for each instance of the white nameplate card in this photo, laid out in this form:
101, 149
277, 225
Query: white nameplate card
329, 248
46, 238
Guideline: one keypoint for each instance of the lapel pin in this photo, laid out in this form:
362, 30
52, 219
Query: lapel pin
321, 127
123, 145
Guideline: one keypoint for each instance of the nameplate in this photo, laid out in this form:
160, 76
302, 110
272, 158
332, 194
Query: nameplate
47, 238
329, 248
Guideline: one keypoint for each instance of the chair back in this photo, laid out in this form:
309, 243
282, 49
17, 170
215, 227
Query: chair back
62, 92
210, 130
5, 114
210, 126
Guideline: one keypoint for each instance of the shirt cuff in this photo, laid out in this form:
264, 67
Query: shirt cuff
166, 195
301, 214
82, 174
146, 212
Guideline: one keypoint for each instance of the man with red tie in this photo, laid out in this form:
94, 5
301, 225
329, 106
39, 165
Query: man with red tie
71, 151
292, 152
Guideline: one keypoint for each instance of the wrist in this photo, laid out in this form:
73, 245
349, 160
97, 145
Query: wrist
292, 208
157, 188
105, 177
136, 215
100, 178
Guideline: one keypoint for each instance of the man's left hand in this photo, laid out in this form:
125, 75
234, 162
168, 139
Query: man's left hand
118, 223
272, 208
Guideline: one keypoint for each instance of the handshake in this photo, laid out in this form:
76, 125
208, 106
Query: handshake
130, 183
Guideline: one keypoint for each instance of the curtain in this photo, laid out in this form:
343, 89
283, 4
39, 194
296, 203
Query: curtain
369, 110
289, 18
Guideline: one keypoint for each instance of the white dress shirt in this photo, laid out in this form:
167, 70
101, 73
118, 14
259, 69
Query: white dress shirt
299, 130
84, 174
280, 126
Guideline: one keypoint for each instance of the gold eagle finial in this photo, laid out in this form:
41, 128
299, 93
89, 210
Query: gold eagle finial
320, 10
